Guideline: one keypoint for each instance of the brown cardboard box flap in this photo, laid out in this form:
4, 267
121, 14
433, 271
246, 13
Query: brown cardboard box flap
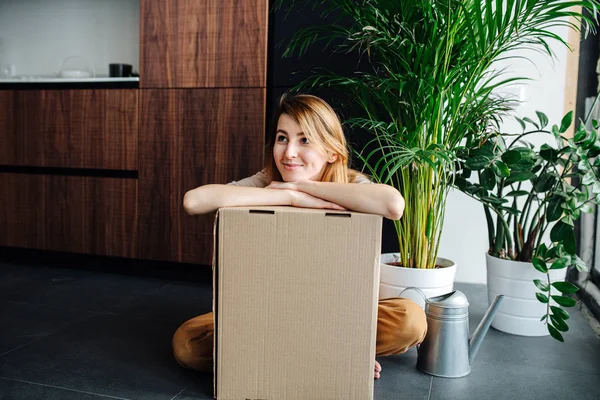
295, 303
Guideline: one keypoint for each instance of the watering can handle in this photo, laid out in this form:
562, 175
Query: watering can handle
417, 290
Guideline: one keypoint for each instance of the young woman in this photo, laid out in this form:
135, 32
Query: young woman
306, 165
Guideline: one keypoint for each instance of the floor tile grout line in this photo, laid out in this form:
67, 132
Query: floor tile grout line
181, 391
430, 387
59, 307
60, 329
23, 345
551, 369
64, 388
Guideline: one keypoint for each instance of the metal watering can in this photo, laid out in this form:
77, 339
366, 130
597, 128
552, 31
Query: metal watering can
447, 350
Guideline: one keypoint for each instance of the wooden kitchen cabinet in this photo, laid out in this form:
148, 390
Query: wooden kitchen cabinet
103, 171
78, 214
70, 128
190, 138
203, 43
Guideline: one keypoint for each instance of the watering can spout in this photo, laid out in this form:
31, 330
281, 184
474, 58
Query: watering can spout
483, 327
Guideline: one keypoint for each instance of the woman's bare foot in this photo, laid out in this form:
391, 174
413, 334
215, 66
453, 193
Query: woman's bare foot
377, 370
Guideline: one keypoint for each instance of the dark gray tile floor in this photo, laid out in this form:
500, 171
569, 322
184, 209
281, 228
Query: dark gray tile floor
81, 334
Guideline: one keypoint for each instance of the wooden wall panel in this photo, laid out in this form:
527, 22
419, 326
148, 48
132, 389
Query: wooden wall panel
191, 138
70, 128
7, 123
203, 43
69, 213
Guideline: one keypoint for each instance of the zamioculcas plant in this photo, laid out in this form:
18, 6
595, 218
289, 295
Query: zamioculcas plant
528, 191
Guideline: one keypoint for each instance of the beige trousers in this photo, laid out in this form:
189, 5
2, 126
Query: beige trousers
401, 324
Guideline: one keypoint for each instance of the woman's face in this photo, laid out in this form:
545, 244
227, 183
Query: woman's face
296, 158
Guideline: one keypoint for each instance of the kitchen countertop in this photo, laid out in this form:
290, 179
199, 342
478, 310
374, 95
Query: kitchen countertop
56, 83
54, 79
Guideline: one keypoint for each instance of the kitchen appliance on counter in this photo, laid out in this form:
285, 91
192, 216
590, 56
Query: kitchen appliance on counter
70, 70
120, 70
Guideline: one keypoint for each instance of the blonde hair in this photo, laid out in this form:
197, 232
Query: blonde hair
322, 127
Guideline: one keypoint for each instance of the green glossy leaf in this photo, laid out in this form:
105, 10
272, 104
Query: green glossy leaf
487, 179
559, 263
559, 323
511, 210
517, 193
511, 157
460, 183
565, 287
466, 172
539, 264
542, 250
525, 152
493, 200
589, 178
526, 165
580, 135
554, 210
566, 122
520, 176
477, 163
564, 301
526, 119
542, 298
553, 252
521, 122
543, 286
543, 119
548, 153
545, 182
562, 232
501, 169
555, 333
560, 312
579, 264
568, 219
590, 140
486, 150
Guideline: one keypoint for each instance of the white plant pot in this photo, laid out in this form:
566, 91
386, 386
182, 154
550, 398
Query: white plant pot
433, 282
520, 311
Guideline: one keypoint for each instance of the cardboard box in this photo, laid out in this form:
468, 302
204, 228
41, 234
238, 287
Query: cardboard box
295, 303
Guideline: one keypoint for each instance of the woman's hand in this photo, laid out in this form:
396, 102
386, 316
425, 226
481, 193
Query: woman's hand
283, 185
302, 199
305, 200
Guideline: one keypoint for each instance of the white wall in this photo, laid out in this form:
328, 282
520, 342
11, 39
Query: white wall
464, 238
37, 35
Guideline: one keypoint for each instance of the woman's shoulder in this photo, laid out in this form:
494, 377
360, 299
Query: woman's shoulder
361, 179
260, 180
358, 177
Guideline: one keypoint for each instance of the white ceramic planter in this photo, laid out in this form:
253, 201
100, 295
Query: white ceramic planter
433, 282
520, 311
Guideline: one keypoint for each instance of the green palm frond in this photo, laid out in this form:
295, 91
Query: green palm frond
429, 86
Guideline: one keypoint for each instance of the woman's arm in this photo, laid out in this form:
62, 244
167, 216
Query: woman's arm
368, 198
209, 198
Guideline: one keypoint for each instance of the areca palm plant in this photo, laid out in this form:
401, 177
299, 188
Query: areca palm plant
429, 87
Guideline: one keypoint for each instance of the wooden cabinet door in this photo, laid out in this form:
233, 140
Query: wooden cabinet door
7, 123
69, 128
190, 138
78, 214
203, 43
